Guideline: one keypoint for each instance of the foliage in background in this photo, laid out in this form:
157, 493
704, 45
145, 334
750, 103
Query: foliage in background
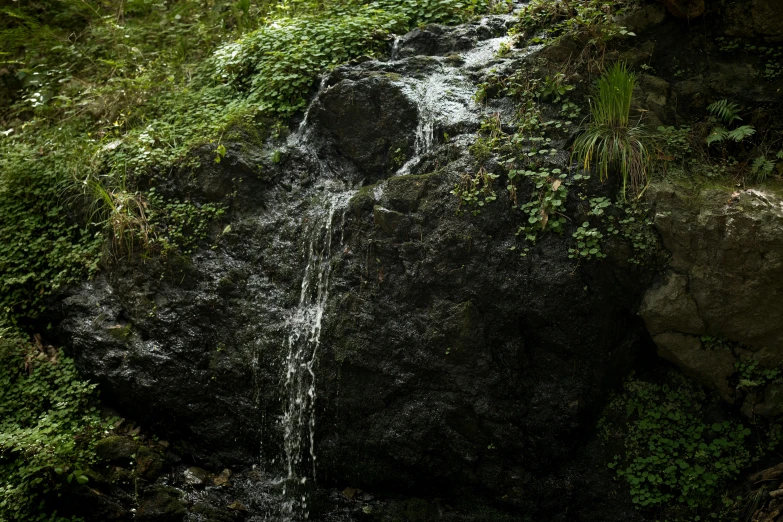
612, 140
677, 455
43, 245
48, 426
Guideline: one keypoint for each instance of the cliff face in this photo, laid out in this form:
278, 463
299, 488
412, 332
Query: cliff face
352, 323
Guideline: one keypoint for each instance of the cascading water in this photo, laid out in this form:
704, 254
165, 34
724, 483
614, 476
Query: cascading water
298, 419
445, 98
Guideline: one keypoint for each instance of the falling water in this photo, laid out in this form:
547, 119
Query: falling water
298, 418
445, 99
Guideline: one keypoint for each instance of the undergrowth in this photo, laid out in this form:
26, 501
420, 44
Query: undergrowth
48, 426
677, 452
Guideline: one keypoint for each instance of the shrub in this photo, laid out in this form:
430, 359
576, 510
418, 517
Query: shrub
48, 425
611, 140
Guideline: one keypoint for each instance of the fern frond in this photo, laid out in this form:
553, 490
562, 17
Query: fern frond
717, 135
724, 111
740, 133
761, 168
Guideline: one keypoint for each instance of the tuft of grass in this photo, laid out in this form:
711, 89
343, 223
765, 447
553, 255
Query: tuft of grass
122, 212
612, 141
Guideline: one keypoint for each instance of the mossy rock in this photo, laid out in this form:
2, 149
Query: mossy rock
161, 504
116, 449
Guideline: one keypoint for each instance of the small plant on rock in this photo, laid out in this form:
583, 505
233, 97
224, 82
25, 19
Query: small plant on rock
722, 115
611, 140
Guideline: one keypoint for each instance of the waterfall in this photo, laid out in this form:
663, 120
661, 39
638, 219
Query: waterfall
298, 420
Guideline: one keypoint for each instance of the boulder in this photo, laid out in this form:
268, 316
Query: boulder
161, 504
116, 449
725, 280
685, 9
712, 368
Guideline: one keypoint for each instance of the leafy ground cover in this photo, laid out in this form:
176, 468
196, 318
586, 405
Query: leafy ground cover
96, 96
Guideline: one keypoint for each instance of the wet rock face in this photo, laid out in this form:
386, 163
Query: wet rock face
451, 357
447, 362
725, 281
369, 120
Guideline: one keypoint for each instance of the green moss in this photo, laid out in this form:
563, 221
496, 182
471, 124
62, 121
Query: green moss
121, 333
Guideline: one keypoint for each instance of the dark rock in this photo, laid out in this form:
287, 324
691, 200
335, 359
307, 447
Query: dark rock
768, 18
438, 40
377, 124
149, 463
643, 19
117, 449
91, 502
211, 513
686, 9
161, 504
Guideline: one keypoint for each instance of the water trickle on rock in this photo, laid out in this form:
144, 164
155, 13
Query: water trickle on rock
445, 98
304, 339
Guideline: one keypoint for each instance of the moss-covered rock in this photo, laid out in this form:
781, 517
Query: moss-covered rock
117, 449
161, 504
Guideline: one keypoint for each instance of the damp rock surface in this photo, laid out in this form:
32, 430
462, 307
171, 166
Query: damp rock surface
353, 331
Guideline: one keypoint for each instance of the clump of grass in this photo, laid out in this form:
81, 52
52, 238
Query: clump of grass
611, 140
122, 212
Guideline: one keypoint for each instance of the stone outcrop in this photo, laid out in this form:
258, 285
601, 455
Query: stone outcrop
724, 281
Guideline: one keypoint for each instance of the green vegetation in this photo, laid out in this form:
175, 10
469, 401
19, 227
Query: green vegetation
677, 454
723, 114
545, 209
475, 191
48, 427
611, 140
100, 102
594, 21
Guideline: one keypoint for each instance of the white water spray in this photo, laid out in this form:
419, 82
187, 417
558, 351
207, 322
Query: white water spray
298, 418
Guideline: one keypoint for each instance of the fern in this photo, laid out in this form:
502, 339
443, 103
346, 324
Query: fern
727, 113
761, 168
740, 133
724, 111
717, 135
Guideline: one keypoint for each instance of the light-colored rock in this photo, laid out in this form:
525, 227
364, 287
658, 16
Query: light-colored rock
670, 308
726, 280
729, 245
712, 368
196, 476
